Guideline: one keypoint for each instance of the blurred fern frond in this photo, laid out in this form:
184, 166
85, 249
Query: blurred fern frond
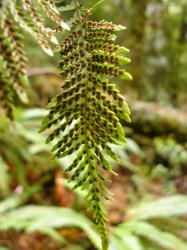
22, 148
149, 232
153, 225
171, 152
134, 234
47, 220
16, 17
175, 205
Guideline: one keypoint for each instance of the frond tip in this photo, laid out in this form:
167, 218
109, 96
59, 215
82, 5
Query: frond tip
86, 117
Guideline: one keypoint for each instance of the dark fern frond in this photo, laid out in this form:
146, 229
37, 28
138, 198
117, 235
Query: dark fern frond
13, 59
86, 117
6, 84
16, 16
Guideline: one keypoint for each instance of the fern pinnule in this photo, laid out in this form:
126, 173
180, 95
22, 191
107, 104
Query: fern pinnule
52, 12
86, 116
50, 9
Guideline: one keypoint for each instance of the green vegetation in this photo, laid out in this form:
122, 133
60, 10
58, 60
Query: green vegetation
66, 194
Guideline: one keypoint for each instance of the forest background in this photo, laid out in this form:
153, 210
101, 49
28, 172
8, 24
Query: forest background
149, 210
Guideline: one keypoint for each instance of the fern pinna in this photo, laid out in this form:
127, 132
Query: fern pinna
86, 116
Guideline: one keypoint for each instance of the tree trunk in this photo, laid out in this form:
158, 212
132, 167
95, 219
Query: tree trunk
154, 120
137, 32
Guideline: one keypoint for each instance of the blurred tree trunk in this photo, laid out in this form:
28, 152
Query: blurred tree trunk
154, 120
155, 59
176, 48
183, 31
137, 33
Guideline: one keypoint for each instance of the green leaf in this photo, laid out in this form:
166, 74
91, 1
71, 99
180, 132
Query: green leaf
128, 239
68, 7
152, 233
97, 4
15, 200
116, 244
94, 106
45, 219
4, 176
53, 234
127, 76
161, 208
121, 133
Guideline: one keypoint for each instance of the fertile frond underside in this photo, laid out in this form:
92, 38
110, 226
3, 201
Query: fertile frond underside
16, 16
86, 116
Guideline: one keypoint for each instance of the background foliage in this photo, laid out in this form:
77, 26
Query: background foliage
150, 207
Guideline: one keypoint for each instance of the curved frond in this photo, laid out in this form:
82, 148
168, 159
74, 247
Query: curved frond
46, 219
152, 233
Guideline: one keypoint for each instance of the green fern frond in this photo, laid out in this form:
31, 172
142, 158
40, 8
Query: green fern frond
128, 240
175, 205
46, 220
6, 83
152, 233
86, 117
163, 231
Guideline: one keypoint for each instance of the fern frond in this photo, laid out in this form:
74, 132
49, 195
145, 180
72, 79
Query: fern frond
46, 220
175, 205
86, 117
128, 240
35, 28
161, 238
31, 20
6, 83
16, 16
52, 12
13, 55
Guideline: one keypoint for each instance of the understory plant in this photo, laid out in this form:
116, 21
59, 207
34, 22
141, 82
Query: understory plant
148, 225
